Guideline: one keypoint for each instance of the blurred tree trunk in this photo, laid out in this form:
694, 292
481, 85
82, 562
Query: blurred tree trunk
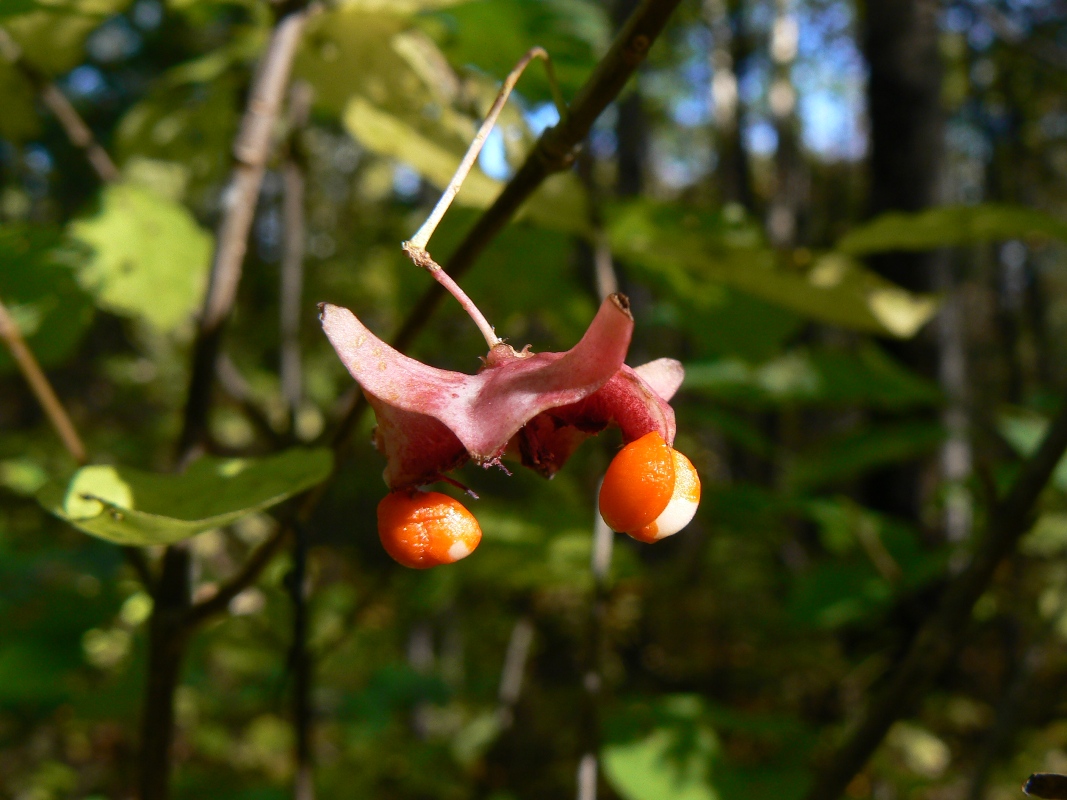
903, 95
782, 213
729, 49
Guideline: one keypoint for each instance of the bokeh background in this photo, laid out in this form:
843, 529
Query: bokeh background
858, 392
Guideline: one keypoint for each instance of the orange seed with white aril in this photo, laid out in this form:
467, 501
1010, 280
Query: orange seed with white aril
650, 491
426, 529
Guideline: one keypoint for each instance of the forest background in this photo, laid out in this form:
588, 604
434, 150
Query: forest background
845, 219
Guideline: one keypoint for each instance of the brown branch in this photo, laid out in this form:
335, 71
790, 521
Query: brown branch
252, 568
167, 638
554, 152
236, 388
941, 636
41, 388
251, 150
80, 135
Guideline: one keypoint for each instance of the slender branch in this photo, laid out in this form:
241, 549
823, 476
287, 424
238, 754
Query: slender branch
234, 386
300, 661
167, 638
80, 135
592, 680
292, 277
941, 636
252, 568
511, 675
251, 150
41, 388
553, 152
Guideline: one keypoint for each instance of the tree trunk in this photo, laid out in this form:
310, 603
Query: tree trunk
167, 637
903, 95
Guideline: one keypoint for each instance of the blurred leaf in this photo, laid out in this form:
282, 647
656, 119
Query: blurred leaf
38, 287
876, 559
349, 51
951, 226
150, 260
693, 251
128, 506
53, 34
671, 760
394, 689
12, 8
493, 34
1048, 537
34, 672
558, 204
20, 120
188, 124
848, 457
824, 377
1025, 431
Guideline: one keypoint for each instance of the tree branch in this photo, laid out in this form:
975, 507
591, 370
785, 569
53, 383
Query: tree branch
553, 152
80, 135
42, 389
251, 150
941, 636
253, 566
292, 272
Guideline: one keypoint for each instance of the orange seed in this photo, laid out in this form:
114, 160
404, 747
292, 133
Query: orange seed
638, 484
680, 509
425, 529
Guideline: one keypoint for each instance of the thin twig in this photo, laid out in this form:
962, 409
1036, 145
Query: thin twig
511, 676
553, 152
300, 661
292, 273
251, 150
941, 636
252, 568
592, 680
80, 135
41, 388
234, 386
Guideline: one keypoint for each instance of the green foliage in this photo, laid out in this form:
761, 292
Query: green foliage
489, 34
693, 252
128, 506
38, 288
144, 246
673, 759
951, 226
729, 658
821, 377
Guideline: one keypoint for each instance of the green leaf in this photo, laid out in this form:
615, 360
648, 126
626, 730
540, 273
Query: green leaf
695, 251
20, 120
38, 288
851, 455
819, 377
951, 226
492, 33
52, 35
672, 760
1025, 430
559, 203
12, 8
128, 506
150, 257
